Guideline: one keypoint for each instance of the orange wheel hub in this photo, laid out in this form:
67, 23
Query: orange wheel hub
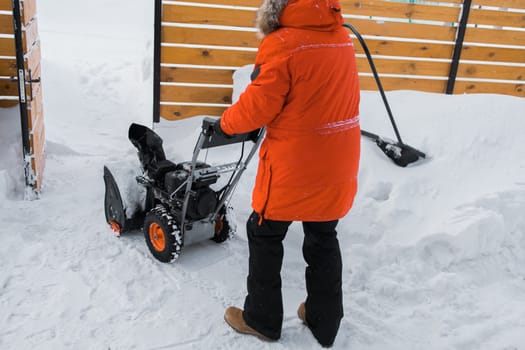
157, 237
218, 225
115, 227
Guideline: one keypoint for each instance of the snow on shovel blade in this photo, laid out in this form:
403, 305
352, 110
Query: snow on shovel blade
126, 213
400, 153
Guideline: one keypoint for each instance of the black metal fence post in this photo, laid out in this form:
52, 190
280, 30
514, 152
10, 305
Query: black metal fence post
458, 48
22, 97
156, 61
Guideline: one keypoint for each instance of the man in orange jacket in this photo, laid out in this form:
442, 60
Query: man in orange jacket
305, 90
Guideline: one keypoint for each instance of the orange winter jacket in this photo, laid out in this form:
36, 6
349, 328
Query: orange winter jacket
306, 93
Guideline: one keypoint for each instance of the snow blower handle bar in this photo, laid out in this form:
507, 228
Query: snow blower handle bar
208, 138
214, 139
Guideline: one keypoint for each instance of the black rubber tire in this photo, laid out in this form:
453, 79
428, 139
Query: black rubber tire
160, 217
225, 231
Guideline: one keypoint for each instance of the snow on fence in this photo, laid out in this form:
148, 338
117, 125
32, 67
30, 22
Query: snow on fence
444, 46
20, 81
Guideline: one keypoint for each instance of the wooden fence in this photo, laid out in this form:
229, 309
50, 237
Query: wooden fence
20, 81
435, 46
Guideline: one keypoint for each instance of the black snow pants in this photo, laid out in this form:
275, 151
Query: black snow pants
263, 307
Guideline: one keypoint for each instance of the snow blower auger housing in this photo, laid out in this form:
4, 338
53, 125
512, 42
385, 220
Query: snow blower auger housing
179, 206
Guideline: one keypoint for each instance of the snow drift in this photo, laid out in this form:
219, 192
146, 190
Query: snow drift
434, 254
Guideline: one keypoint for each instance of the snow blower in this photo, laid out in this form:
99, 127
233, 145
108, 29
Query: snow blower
401, 153
179, 206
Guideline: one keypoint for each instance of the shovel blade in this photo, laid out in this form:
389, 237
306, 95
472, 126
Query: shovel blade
401, 154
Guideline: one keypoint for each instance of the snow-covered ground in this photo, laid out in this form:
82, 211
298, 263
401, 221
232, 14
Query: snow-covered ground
434, 254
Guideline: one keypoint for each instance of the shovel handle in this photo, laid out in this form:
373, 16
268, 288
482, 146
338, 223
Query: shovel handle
376, 77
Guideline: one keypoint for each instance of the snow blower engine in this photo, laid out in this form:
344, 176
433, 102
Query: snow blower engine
174, 203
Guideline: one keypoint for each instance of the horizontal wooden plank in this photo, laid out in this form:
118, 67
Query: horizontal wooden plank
492, 54
344, 3
497, 18
7, 47
223, 95
195, 94
514, 4
213, 16
383, 66
406, 49
5, 5
28, 11
8, 87
468, 87
367, 8
238, 18
447, 1
211, 57
7, 103
7, 67
203, 36
6, 24
495, 36
389, 84
234, 58
400, 10
404, 30
171, 112
193, 75
174, 112
405, 67
243, 3
484, 71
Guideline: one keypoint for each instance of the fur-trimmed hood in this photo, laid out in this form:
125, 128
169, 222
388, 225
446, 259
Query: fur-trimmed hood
268, 15
324, 15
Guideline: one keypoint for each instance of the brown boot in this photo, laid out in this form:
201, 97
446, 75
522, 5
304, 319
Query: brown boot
301, 313
233, 317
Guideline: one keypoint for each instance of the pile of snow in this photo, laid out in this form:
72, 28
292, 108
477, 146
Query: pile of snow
434, 254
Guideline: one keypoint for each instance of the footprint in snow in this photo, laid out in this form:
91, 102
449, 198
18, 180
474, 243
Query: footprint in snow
381, 191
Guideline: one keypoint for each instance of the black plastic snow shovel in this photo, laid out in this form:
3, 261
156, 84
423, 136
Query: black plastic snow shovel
401, 153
